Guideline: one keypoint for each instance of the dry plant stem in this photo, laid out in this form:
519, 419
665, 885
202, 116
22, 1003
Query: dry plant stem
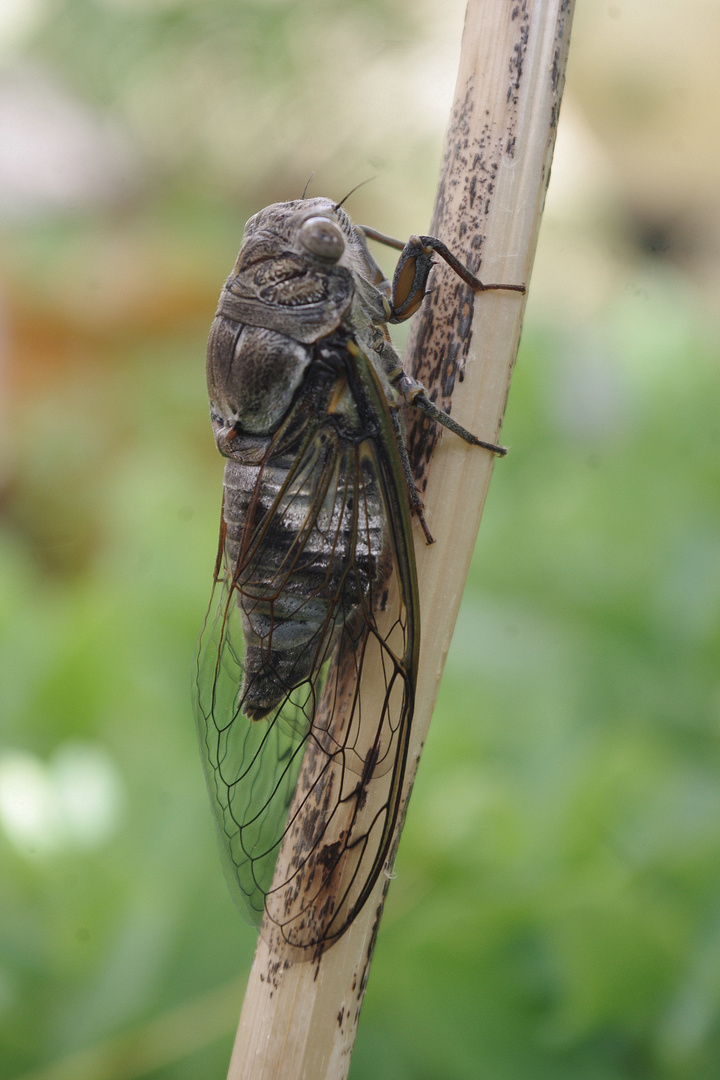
299, 1019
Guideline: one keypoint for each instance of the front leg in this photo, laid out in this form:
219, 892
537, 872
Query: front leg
413, 269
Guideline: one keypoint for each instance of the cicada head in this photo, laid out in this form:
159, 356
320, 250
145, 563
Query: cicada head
300, 275
315, 230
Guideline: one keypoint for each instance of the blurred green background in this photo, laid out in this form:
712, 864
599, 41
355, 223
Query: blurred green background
556, 912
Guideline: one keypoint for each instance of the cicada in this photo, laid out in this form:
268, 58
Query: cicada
307, 661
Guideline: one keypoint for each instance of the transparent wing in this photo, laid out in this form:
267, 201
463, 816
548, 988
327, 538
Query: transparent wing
306, 676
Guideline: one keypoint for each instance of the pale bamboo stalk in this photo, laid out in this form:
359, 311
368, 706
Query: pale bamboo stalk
299, 1018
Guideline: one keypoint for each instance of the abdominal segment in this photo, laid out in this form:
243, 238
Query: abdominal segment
304, 547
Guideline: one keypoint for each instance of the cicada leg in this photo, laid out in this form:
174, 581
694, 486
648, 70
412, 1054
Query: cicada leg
405, 297
413, 269
415, 394
407, 293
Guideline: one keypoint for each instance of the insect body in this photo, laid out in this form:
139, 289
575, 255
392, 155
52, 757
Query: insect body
307, 662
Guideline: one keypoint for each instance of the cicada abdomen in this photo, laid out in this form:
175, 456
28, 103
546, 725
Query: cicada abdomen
298, 589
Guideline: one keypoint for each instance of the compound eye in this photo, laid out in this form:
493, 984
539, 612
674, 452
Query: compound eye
323, 238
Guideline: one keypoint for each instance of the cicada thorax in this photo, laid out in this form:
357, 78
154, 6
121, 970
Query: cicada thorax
305, 538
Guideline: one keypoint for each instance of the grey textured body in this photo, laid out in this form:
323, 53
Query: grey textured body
273, 365
307, 661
